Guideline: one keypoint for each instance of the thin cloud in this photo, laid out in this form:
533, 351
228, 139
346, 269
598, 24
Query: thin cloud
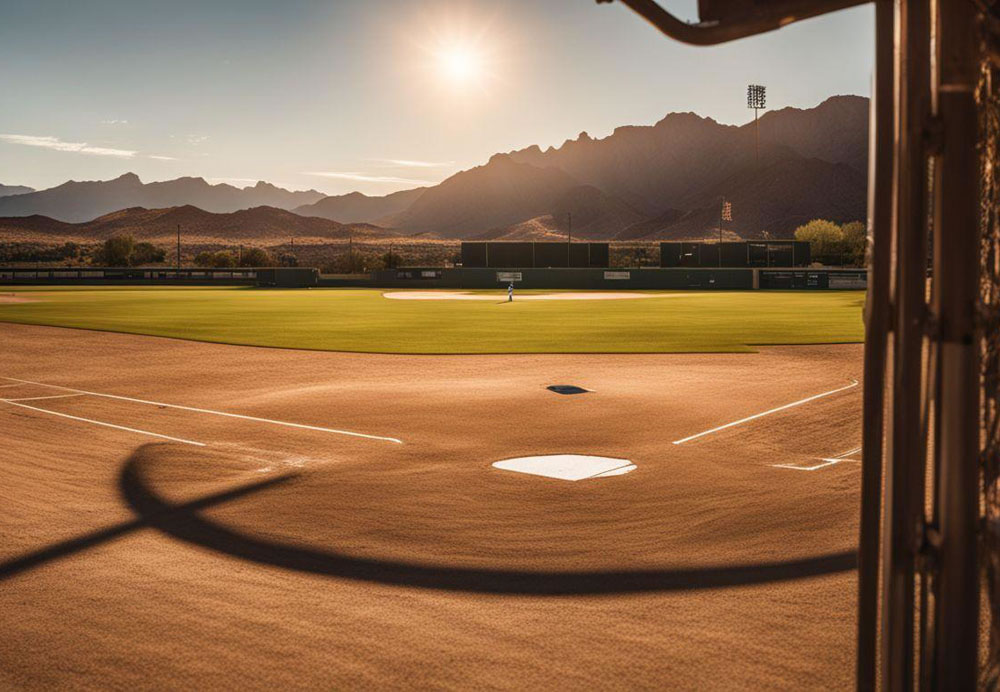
114, 121
363, 178
158, 157
408, 163
56, 144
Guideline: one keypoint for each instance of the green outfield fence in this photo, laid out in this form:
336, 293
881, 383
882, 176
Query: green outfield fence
646, 278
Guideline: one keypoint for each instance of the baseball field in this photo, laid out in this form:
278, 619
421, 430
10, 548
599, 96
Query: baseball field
326, 512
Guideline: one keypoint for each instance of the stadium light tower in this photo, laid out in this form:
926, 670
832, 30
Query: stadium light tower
756, 98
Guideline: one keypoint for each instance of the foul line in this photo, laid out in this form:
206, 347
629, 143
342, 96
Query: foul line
854, 383
106, 425
827, 461
214, 413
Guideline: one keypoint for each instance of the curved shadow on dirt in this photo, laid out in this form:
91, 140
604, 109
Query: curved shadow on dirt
182, 521
61, 549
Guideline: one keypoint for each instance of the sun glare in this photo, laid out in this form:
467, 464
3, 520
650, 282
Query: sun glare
460, 64
454, 57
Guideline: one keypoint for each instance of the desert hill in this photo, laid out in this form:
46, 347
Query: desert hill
260, 225
358, 208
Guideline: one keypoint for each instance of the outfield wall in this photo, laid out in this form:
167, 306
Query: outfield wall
103, 276
618, 279
679, 278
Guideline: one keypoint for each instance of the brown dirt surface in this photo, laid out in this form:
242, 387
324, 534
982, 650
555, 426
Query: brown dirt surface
277, 556
14, 298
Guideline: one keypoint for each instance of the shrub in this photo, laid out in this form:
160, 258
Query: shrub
147, 253
117, 251
215, 260
391, 260
855, 242
256, 257
824, 237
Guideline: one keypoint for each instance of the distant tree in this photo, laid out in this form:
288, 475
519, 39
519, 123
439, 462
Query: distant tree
855, 242
391, 260
204, 259
224, 259
147, 253
69, 251
354, 262
287, 259
824, 237
256, 257
117, 251
216, 260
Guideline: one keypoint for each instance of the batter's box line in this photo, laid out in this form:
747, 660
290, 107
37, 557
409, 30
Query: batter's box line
827, 461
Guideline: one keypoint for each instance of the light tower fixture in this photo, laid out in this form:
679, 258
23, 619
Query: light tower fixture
756, 98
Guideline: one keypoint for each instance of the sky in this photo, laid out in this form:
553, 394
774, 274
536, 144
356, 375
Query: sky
369, 95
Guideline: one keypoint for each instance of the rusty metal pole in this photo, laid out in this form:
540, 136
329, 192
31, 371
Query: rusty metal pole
880, 172
905, 467
956, 272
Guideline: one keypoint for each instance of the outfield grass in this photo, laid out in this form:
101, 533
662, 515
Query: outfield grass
362, 320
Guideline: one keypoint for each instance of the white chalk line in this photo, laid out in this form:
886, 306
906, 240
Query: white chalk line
827, 461
854, 383
7, 386
106, 425
207, 411
38, 398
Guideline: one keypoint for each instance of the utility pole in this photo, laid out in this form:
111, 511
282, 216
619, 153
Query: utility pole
569, 236
350, 251
178, 250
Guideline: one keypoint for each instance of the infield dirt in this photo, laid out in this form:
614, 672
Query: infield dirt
278, 556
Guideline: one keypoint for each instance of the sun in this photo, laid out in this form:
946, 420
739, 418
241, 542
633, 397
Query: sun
460, 64
455, 58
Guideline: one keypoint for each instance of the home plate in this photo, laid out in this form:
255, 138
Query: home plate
568, 467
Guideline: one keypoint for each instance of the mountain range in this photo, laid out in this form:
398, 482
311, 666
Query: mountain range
665, 180
76, 201
7, 190
356, 207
